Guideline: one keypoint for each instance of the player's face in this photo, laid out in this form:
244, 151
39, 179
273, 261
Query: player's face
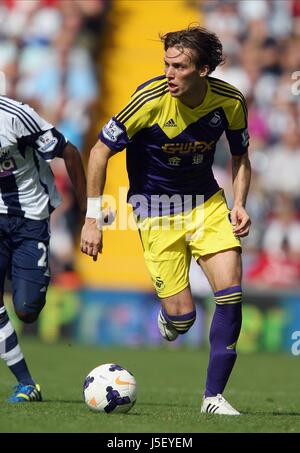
183, 77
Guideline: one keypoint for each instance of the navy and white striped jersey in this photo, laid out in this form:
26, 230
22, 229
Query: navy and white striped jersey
27, 144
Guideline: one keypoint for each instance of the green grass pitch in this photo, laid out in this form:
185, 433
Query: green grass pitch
264, 387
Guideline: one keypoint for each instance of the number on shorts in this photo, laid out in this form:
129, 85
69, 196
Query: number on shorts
42, 262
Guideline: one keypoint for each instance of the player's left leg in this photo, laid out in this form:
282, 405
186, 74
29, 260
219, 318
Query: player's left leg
28, 301
10, 352
30, 278
223, 271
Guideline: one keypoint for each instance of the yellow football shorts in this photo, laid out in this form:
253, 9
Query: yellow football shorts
170, 241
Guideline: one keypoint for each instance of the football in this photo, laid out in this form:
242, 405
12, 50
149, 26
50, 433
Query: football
110, 388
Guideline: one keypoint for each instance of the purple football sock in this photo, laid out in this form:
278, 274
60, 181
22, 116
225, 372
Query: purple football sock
182, 323
224, 332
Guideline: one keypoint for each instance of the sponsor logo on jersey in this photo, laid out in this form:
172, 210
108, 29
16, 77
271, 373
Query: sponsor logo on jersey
46, 142
111, 131
7, 167
187, 148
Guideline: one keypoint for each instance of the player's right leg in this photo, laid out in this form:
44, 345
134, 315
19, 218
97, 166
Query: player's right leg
168, 261
177, 314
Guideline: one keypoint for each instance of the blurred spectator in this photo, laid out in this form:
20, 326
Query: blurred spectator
278, 264
282, 172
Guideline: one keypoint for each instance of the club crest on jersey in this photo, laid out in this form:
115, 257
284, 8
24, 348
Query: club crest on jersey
216, 120
245, 138
46, 142
111, 131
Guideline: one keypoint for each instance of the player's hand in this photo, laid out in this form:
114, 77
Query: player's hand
240, 221
91, 238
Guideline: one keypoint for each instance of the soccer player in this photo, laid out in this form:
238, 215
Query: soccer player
28, 195
170, 128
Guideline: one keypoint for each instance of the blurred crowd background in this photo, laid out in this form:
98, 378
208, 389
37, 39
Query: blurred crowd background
49, 52
49, 49
261, 41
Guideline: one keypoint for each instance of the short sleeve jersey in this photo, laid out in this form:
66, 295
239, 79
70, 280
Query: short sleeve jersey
170, 147
27, 144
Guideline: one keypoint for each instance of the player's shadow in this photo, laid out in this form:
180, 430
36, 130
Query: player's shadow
64, 401
164, 404
130, 414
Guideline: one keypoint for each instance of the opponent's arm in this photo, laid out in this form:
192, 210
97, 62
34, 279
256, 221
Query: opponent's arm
241, 177
75, 170
91, 234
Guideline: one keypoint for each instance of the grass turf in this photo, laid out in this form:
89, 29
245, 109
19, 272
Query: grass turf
264, 387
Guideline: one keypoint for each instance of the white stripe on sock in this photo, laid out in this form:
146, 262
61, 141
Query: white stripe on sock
6, 331
13, 356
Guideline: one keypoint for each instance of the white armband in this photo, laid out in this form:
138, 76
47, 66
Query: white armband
94, 206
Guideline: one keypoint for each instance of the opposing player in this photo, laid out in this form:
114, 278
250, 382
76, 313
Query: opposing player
170, 129
28, 195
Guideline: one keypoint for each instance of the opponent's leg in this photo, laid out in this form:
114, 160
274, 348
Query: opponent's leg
12, 355
30, 274
26, 390
29, 299
223, 271
9, 348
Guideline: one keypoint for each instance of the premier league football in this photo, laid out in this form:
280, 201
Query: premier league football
110, 388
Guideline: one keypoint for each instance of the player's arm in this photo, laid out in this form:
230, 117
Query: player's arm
114, 137
75, 170
238, 139
241, 177
49, 143
91, 235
